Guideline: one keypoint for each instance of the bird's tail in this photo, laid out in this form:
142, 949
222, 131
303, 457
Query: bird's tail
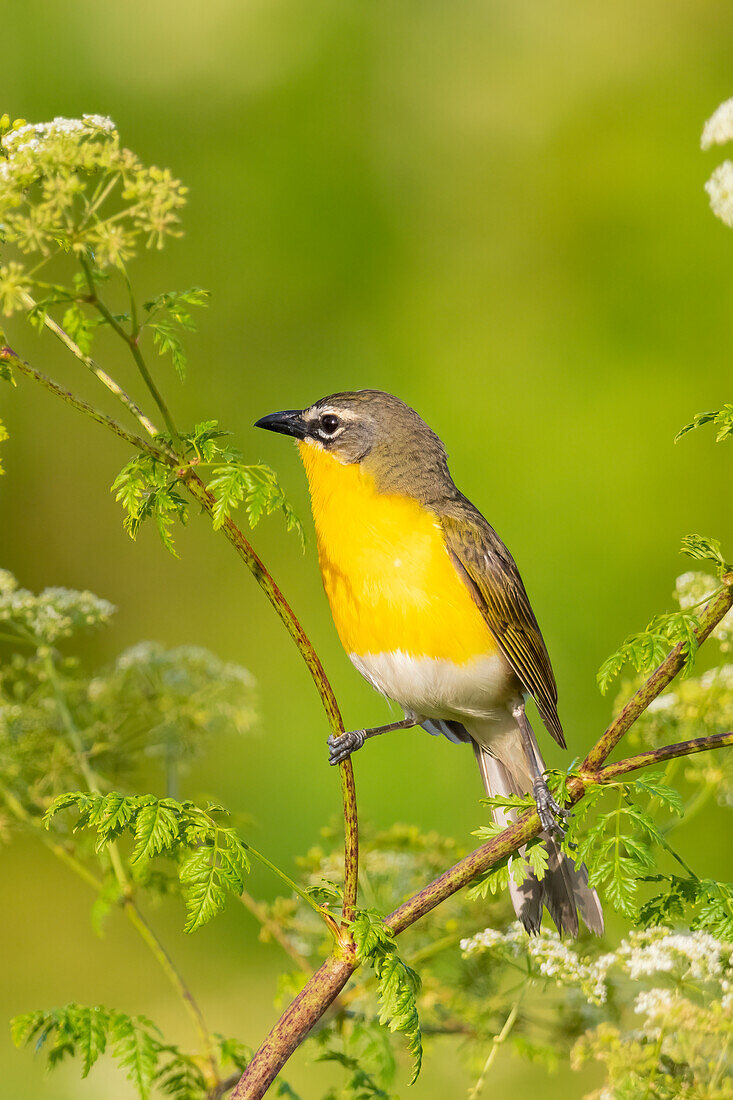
564, 889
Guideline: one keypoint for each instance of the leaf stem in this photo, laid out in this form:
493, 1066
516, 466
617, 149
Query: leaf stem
132, 343
497, 1041
96, 370
7, 355
306, 897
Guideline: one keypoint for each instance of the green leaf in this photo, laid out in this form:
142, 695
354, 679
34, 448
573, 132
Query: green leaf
647, 649
228, 485
705, 549
146, 489
210, 873
397, 983
78, 1030
136, 1050
536, 855
493, 881
258, 487
156, 830
167, 331
722, 417
6, 373
653, 784
91, 1026
175, 302
79, 327
214, 860
168, 341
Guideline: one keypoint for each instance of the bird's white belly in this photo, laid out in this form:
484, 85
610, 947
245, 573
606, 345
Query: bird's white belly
433, 687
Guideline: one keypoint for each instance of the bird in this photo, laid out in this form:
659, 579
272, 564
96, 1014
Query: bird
431, 609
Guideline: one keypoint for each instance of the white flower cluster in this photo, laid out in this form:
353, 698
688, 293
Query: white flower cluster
33, 134
717, 131
35, 138
679, 955
683, 955
719, 127
54, 175
551, 958
55, 613
720, 190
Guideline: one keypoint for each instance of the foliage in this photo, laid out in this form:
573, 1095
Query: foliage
722, 419
135, 1043
621, 844
70, 192
645, 650
213, 861
397, 983
148, 488
75, 208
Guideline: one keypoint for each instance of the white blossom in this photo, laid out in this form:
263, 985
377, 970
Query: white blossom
550, 956
719, 127
55, 613
720, 189
695, 955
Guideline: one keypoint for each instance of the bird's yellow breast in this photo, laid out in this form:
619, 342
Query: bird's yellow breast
388, 576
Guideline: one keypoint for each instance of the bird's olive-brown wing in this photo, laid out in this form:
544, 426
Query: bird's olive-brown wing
493, 579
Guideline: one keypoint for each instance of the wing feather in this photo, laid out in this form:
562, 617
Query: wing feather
493, 579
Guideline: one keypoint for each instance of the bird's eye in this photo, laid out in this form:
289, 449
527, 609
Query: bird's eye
329, 423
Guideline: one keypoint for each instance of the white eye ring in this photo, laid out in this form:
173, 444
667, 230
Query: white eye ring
328, 425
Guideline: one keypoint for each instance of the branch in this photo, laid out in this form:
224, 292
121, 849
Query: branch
262, 575
660, 678
656, 756
96, 370
7, 355
132, 342
267, 583
308, 1007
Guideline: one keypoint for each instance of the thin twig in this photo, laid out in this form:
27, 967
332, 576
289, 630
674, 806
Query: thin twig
96, 370
673, 663
131, 339
496, 1042
656, 756
7, 355
267, 583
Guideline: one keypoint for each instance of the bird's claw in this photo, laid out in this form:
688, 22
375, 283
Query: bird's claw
550, 813
341, 747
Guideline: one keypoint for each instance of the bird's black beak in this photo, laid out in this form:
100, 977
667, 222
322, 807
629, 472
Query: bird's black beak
289, 422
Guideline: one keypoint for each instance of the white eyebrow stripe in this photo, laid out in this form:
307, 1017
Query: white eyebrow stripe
326, 410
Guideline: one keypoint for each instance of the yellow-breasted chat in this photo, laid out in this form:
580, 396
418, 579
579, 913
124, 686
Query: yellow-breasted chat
432, 611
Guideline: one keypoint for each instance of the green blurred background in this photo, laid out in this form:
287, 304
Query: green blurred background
494, 210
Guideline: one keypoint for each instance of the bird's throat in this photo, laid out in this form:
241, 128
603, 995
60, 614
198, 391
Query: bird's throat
388, 576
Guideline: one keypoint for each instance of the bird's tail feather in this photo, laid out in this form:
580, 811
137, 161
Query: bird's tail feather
564, 889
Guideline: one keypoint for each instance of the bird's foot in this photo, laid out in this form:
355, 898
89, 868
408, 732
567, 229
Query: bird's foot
341, 747
551, 814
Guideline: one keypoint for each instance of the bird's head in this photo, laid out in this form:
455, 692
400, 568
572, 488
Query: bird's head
378, 431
